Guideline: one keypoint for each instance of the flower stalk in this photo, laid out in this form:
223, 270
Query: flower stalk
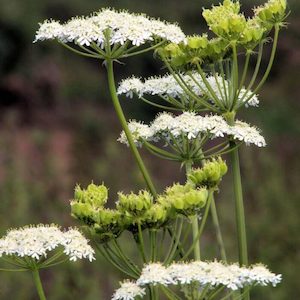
123, 122
38, 283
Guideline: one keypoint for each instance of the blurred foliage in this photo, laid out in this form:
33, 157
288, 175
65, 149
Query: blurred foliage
58, 129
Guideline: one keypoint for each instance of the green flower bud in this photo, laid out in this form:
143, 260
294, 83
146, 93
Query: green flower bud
223, 166
155, 217
252, 34
94, 195
134, 204
271, 13
83, 212
173, 50
196, 198
225, 20
210, 174
184, 199
196, 42
108, 224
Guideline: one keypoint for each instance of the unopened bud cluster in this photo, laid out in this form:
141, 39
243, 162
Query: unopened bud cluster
210, 174
231, 27
133, 210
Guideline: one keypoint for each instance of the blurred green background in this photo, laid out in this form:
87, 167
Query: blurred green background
58, 128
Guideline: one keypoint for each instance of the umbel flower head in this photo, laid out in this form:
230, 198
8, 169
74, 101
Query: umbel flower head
138, 209
210, 275
128, 291
167, 88
107, 28
178, 131
210, 174
38, 241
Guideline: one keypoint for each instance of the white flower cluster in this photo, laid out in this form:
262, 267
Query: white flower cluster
167, 127
168, 86
122, 26
213, 274
37, 241
128, 291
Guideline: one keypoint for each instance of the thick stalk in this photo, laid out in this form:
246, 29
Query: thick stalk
239, 207
239, 203
38, 284
194, 220
122, 119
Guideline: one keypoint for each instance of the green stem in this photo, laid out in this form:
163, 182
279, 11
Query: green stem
239, 202
216, 223
275, 42
269, 67
176, 242
239, 207
235, 74
127, 261
194, 220
202, 225
120, 114
141, 242
38, 284
247, 60
144, 50
152, 234
195, 228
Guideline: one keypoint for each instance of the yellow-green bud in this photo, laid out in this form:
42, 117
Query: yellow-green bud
210, 174
83, 212
134, 204
272, 12
173, 50
96, 195
184, 199
155, 217
196, 42
108, 224
225, 20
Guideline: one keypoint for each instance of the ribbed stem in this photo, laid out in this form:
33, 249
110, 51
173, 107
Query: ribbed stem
122, 119
38, 284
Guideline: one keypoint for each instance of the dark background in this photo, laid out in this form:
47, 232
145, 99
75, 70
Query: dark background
58, 128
